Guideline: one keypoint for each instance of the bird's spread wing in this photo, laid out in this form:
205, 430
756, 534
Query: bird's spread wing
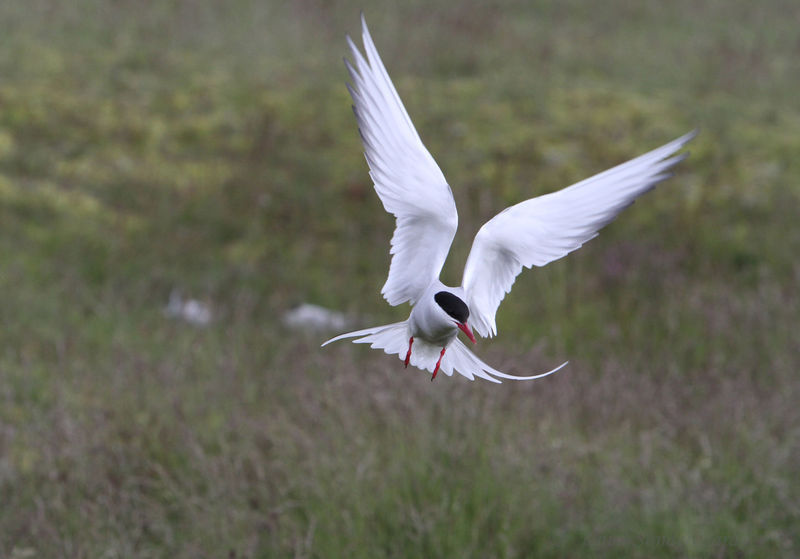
407, 179
543, 229
393, 339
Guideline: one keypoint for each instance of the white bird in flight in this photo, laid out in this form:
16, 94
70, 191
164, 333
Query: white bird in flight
532, 233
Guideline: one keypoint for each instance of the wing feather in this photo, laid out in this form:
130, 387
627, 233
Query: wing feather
537, 231
406, 177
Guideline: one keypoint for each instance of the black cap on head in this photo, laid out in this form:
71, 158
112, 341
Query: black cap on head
452, 305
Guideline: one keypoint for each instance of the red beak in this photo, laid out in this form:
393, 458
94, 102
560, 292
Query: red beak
465, 328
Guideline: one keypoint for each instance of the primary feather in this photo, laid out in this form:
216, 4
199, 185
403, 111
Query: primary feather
537, 231
406, 178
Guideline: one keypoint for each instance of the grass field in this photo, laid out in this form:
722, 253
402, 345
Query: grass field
210, 147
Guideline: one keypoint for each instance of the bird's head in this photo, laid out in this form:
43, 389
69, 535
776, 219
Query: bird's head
456, 309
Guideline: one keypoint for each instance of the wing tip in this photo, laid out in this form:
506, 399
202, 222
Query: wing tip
365, 35
689, 136
353, 47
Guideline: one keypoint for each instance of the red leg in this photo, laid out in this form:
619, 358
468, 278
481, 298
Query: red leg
439, 362
408, 355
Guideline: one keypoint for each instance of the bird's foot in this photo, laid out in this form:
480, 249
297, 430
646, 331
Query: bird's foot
438, 363
408, 355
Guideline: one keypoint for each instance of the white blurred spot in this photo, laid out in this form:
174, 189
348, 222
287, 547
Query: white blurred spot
191, 310
314, 317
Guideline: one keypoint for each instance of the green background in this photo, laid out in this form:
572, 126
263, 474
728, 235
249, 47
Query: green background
210, 147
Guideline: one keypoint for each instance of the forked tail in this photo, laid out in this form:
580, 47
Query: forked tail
460, 358
394, 340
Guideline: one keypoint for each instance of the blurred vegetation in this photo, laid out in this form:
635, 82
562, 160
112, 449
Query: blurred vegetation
209, 147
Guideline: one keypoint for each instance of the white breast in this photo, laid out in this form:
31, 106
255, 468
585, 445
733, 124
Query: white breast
429, 322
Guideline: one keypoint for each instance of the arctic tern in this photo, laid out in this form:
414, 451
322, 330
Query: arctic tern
535, 232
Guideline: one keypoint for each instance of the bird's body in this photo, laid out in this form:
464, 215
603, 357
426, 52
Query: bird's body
531, 233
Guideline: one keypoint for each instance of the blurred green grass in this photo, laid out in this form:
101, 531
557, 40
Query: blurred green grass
210, 147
